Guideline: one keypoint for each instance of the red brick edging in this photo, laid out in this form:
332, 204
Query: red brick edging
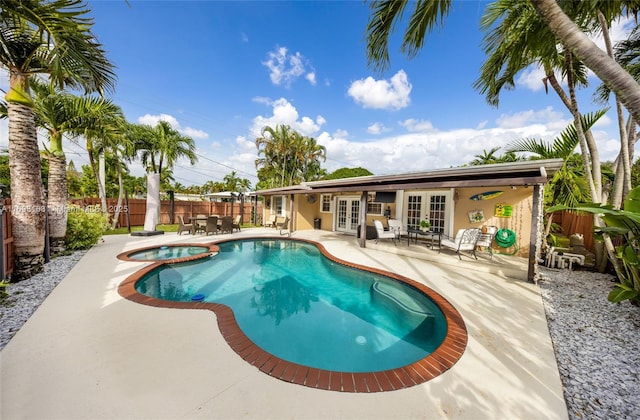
431, 366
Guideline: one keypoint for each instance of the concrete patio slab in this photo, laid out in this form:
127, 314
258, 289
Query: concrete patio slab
89, 353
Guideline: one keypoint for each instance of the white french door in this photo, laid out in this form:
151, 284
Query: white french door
432, 205
347, 214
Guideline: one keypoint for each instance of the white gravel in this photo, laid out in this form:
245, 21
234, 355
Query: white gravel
596, 342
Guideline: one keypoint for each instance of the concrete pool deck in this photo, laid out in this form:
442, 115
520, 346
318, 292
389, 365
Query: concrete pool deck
89, 353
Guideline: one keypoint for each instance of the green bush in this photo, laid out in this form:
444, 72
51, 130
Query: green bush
85, 227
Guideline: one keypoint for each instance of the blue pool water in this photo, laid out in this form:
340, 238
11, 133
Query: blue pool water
298, 305
168, 252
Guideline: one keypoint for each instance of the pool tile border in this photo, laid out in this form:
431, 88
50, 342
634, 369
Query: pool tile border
213, 248
423, 370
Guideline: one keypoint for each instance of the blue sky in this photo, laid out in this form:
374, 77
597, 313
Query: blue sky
220, 71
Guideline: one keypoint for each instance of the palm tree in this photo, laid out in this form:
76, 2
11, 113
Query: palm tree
161, 146
52, 38
605, 67
288, 157
428, 14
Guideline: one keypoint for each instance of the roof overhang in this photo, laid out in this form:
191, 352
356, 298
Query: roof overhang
533, 172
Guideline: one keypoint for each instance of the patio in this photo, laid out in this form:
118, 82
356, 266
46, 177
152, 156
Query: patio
89, 353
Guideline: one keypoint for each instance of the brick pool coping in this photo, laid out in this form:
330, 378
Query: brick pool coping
423, 370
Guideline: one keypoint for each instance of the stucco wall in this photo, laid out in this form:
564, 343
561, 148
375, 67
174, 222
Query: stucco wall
520, 221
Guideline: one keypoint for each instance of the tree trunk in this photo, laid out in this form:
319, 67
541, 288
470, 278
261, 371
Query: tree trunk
57, 196
27, 198
607, 69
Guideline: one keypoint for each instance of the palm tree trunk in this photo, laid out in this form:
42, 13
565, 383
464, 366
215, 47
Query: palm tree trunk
57, 202
27, 198
116, 214
607, 69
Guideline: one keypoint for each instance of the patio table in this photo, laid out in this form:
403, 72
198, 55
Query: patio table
428, 234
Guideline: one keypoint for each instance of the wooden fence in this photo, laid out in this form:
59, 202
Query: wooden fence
576, 223
135, 209
7, 239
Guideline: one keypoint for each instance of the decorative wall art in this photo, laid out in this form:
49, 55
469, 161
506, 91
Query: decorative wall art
487, 195
476, 216
503, 210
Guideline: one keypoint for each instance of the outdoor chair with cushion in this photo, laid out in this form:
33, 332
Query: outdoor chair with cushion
271, 222
236, 223
227, 224
284, 226
182, 226
396, 227
486, 239
465, 240
200, 223
212, 225
384, 234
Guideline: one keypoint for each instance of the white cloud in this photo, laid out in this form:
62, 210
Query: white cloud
376, 128
382, 94
531, 78
545, 116
311, 77
285, 113
285, 68
414, 125
153, 120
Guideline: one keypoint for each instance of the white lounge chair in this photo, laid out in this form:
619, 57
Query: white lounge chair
382, 234
396, 227
465, 240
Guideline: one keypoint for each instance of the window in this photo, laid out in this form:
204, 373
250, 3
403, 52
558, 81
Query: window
325, 203
277, 204
374, 208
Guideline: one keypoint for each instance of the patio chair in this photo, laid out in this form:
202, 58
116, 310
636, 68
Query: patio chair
382, 234
284, 225
396, 227
200, 223
465, 240
212, 225
486, 239
226, 225
184, 227
271, 222
236, 223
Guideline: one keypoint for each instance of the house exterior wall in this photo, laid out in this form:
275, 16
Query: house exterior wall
520, 201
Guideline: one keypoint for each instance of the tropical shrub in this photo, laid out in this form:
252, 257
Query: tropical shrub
623, 224
85, 226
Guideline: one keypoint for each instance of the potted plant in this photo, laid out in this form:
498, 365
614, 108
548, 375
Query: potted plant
425, 225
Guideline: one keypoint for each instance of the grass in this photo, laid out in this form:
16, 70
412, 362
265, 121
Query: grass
123, 230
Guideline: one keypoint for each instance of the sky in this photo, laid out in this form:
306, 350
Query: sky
220, 71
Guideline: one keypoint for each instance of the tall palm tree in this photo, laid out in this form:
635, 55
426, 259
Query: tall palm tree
429, 14
287, 157
161, 146
516, 38
52, 38
606, 68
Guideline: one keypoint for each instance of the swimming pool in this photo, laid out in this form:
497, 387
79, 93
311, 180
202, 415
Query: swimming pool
308, 312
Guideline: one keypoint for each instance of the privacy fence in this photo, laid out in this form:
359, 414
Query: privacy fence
132, 214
